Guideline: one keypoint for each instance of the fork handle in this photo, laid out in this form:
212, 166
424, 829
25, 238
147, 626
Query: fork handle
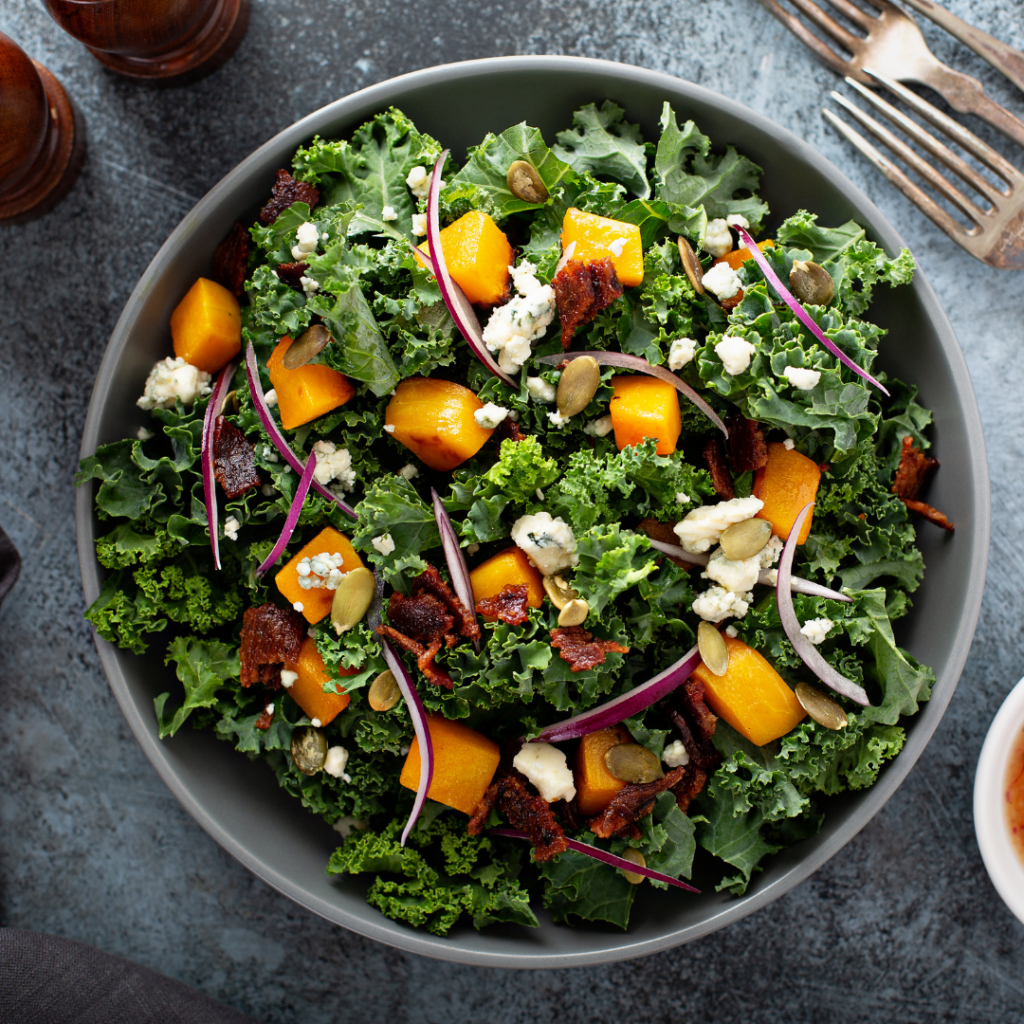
1002, 57
968, 95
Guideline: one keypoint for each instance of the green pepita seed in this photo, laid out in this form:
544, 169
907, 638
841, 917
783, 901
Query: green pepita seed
352, 599
691, 265
746, 539
578, 385
574, 613
713, 649
811, 283
824, 710
633, 763
309, 750
559, 591
308, 345
384, 693
634, 856
525, 183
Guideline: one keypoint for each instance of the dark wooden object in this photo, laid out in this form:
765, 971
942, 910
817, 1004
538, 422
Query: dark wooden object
41, 147
159, 41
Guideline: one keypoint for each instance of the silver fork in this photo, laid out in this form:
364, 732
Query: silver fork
892, 43
996, 235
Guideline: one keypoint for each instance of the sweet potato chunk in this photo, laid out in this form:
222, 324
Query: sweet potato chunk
595, 238
308, 690
787, 483
478, 256
308, 392
645, 407
738, 257
595, 785
206, 326
506, 568
316, 602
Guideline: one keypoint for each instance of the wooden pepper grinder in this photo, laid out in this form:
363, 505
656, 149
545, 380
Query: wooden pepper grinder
158, 41
41, 148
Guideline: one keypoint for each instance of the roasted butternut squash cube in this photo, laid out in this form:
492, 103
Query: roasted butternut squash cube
752, 697
206, 326
643, 407
598, 238
308, 392
308, 690
595, 785
506, 568
478, 256
738, 257
316, 601
435, 420
464, 764
785, 484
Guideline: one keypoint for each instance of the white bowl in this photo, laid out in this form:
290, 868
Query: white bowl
1004, 865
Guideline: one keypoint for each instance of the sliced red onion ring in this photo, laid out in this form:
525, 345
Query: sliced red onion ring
631, 703
801, 314
457, 568
602, 855
213, 408
420, 724
292, 519
797, 585
275, 435
809, 654
460, 308
628, 362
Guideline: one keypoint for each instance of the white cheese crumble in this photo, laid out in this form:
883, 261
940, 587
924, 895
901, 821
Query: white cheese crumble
682, 497
600, 427
788, 444
540, 390
703, 526
385, 544
732, 631
388, 213
718, 603
231, 525
310, 285
513, 327
801, 378
557, 419
735, 354
172, 379
271, 397
681, 352
269, 454
333, 467
675, 755
770, 552
737, 220
816, 630
298, 606
305, 241
548, 543
335, 762
409, 471
269, 709
389, 428
419, 224
723, 281
419, 182
545, 766
616, 247
288, 678
343, 826
737, 575
143, 434
316, 723
718, 237
490, 416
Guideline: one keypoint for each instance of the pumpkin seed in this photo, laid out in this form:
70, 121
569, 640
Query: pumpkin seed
352, 599
824, 710
811, 283
578, 385
384, 693
559, 591
633, 763
746, 539
309, 750
574, 613
230, 402
691, 265
634, 857
308, 345
525, 183
713, 649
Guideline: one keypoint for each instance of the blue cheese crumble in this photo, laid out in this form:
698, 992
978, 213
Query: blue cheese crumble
171, 380
513, 328
548, 543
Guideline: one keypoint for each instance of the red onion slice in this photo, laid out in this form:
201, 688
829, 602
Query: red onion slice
420, 724
275, 435
292, 519
631, 703
213, 408
459, 306
628, 362
809, 654
602, 855
801, 314
797, 585
457, 568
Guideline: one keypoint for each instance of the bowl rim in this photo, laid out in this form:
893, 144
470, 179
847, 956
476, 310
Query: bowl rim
869, 802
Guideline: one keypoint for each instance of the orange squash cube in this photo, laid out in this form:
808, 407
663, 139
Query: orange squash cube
599, 238
464, 764
308, 392
435, 420
643, 407
595, 785
752, 697
478, 256
506, 568
316, 602
785, 484
738, 257
206, 326
308, 690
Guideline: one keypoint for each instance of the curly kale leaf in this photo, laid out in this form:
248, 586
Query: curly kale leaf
392, 506
580, 888
604, 143
203, 667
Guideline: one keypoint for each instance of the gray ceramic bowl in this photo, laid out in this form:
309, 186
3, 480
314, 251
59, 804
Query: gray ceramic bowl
238, 802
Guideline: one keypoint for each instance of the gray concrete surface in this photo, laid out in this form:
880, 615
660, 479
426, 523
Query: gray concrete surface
902, 925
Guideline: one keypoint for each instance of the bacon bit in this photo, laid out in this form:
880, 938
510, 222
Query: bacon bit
663, 532
913, 472
429, 581
824, 467
582, 290
271, 638
510, 605
285, 192
931, 514
263, 722
229, 260
631, 803
234, 460
688, 787
507, 430
730, 304
582, 649
702, 754
747, 447
691, 694
714, 456
525, 811
863, 515
291, 274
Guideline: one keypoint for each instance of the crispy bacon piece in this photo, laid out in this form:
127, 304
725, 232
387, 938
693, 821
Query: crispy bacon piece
510, 605
729, 304
582, 290
747, 447
582, 649
702, 754
265, 719
291, 273
933, 515
234, 460
630, 804
714, 456
691, 696
286, 191
664, 533
271, 638
507, 430
229, 260
687, 788
525, 811
913, 471
429, 581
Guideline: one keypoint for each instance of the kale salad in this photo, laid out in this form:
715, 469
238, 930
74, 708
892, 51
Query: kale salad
514, 513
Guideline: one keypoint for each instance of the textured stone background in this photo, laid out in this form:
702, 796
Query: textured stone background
901, 925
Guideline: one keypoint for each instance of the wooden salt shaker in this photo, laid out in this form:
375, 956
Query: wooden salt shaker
158, 41
41, 148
